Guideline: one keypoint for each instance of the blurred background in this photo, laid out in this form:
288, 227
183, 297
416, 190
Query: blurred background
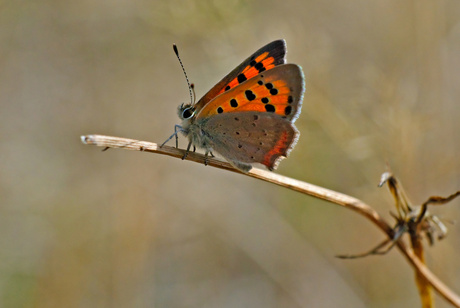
85, 228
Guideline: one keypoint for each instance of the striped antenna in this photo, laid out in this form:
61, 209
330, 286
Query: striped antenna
192, 101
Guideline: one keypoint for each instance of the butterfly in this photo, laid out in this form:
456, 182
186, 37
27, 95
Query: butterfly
248, 117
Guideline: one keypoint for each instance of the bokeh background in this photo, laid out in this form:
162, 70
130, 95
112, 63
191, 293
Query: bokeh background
85, 228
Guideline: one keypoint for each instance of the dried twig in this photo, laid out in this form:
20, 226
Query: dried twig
296, 185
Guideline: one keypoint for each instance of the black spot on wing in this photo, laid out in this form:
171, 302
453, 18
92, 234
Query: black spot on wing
241, 78
287, 110
270, 108
260, 67
233, 103
250, 95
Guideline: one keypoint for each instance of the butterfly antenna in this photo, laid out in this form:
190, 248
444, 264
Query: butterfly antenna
190, 87
193, 90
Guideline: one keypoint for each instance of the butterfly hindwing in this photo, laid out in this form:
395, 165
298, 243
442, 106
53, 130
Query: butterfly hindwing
250, 137
265, 58
278, 90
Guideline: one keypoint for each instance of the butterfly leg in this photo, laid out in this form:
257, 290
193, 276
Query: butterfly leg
212, 155
194, 149
188, 150
177, 129
175, 132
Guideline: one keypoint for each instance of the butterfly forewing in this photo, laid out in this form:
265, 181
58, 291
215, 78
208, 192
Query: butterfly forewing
264, 59
251, 137
278, 91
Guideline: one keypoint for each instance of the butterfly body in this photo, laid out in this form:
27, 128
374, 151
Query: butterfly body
248, 116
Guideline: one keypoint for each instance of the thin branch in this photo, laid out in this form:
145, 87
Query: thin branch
435, 200
296, 185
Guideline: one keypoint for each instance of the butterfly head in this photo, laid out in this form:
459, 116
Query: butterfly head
186, 111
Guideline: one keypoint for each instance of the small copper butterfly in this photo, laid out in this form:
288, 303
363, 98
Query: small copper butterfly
248, 117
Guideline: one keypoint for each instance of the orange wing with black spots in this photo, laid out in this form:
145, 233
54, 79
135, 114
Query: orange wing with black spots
278, 90
264, 59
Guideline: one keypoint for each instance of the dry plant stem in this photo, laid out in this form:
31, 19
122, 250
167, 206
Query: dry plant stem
422, 284
302, 187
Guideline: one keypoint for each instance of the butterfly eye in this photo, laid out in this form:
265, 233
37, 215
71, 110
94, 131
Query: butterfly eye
188, 113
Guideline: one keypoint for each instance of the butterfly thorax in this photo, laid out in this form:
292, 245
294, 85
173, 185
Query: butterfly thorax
193, 129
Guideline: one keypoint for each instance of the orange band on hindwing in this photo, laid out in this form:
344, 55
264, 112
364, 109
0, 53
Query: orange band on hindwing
280, 149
